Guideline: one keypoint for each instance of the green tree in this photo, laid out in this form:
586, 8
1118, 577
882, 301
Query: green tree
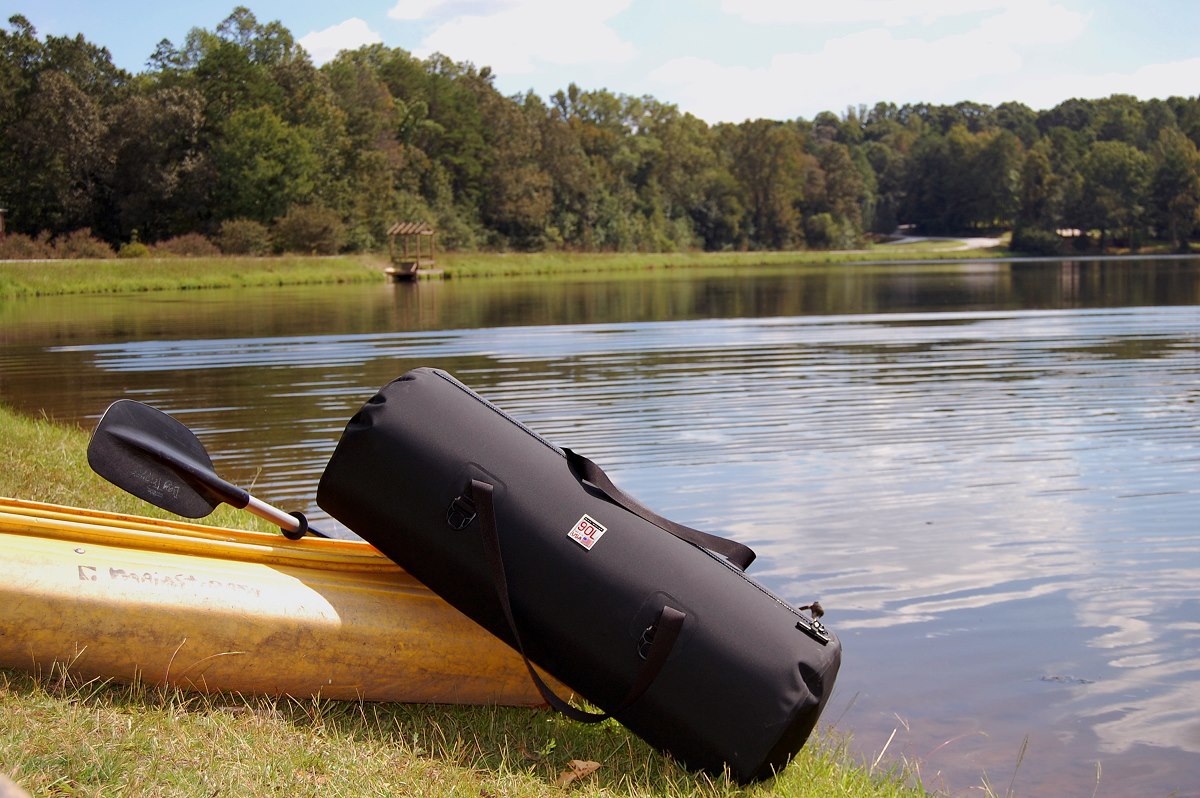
839, 191
612, 215
379, 168
517, 192
1175, 187
1119, 118
161, 169
718, 216
1186, 111
772, 167
456, 136
569, 168
963, 190
1065, 149
1037, 193
680, 171
89, 67
264, 165
1158, 116
1114, 184
1075, 115
1018, 119
929, 190
55, 153
698, 183
963, 180
234, 66
20, 59
52, 101
887, 148
888, 168
996, 173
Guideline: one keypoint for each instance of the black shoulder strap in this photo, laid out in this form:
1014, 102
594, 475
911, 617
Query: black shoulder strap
584, 469
666, 630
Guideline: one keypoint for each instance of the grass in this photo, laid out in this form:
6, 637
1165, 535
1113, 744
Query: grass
42, 278
44, 461
123, 276
62, 736
491, 264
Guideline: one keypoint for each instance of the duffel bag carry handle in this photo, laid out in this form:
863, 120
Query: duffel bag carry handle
666, 629
584, 469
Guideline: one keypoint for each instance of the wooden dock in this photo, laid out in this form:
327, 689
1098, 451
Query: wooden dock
409, 261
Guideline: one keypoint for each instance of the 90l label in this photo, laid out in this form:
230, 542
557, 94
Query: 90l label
587, 532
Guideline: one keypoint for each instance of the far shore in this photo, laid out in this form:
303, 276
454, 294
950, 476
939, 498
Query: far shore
117, 276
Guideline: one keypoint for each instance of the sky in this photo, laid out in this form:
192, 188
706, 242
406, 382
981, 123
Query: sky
721, 60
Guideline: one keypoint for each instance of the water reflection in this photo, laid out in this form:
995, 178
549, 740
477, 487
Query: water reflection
995, 500
662, 295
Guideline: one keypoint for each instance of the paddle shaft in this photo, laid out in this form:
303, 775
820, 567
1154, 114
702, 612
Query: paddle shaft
278, 517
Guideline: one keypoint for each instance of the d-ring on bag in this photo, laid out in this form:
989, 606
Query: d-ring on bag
655, 623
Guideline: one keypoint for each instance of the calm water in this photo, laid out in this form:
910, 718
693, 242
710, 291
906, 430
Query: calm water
989, 474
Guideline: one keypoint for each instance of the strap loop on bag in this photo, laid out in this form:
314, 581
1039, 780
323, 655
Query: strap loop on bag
584, 469
667, 628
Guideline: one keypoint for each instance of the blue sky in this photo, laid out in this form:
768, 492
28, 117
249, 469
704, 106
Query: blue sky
722, 60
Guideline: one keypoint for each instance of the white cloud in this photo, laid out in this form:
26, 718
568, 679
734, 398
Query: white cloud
870, 12
1034, 23
323, 45
861, 68
876, 63
1175, 78
515, 37
412, 10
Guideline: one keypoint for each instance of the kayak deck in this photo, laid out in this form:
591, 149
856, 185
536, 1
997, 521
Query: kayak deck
126, 597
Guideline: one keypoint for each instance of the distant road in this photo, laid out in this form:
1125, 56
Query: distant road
966, 243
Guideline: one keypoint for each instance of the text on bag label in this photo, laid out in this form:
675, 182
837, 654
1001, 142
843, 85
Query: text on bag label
587, 531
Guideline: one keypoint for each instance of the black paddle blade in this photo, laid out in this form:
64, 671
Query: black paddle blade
158, 459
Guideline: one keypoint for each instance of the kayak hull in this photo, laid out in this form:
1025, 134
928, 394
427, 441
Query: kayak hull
124, 597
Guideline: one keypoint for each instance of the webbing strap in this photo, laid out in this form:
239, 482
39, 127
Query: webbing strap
738, 554
667, 629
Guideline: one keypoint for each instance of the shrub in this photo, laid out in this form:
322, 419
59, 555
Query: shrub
81, 244
359, 238
821, 231
1036, 242
243, 237
188, 245
310, 229
134, 248
454, 232
18, 246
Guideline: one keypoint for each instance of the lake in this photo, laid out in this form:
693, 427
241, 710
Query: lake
988, 473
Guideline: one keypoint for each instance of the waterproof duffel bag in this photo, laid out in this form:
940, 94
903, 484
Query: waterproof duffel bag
653, 622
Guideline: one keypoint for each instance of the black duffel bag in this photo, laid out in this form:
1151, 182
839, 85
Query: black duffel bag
653, 622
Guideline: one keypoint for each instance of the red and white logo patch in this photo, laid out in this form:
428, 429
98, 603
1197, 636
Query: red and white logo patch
587, 532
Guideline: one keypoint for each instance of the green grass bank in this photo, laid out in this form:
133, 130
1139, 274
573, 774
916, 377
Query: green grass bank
492, 264
126, 276
61, 736
116, 275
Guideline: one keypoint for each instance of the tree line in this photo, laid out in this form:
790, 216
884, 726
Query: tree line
234, 134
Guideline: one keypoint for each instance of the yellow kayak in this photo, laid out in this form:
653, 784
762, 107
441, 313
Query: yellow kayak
126, 597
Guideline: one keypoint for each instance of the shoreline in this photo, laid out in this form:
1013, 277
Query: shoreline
33, 278
24, 279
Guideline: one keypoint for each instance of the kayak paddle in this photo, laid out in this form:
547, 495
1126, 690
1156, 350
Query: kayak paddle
158, 459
